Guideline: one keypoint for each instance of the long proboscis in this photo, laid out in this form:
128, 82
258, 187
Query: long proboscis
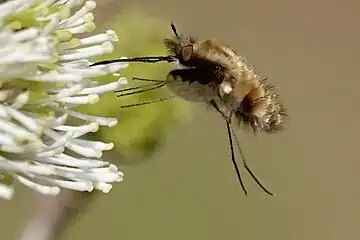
138, 59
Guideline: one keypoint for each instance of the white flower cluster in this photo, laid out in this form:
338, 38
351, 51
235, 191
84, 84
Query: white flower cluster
44, 75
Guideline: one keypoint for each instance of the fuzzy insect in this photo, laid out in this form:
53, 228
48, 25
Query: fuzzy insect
214, 74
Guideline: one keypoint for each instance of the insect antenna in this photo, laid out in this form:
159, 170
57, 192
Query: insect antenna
148, 102
174, 29
138, 59
212, 102
157, 86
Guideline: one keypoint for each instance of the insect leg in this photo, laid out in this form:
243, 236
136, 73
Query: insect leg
247, 167
148, 102
154, 85
157, 86
148, 80
212, 103
143, 88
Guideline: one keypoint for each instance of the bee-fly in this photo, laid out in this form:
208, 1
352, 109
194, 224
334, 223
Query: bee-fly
212, 73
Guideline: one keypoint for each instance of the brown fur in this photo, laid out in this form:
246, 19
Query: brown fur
238, 91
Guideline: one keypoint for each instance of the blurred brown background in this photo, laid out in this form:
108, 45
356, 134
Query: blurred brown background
310, 49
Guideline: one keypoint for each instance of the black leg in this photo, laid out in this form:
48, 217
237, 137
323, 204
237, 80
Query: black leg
157, 86
148, 102
231, 146
247, 168
231, 133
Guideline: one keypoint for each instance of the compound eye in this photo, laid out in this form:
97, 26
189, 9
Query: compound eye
186, 52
